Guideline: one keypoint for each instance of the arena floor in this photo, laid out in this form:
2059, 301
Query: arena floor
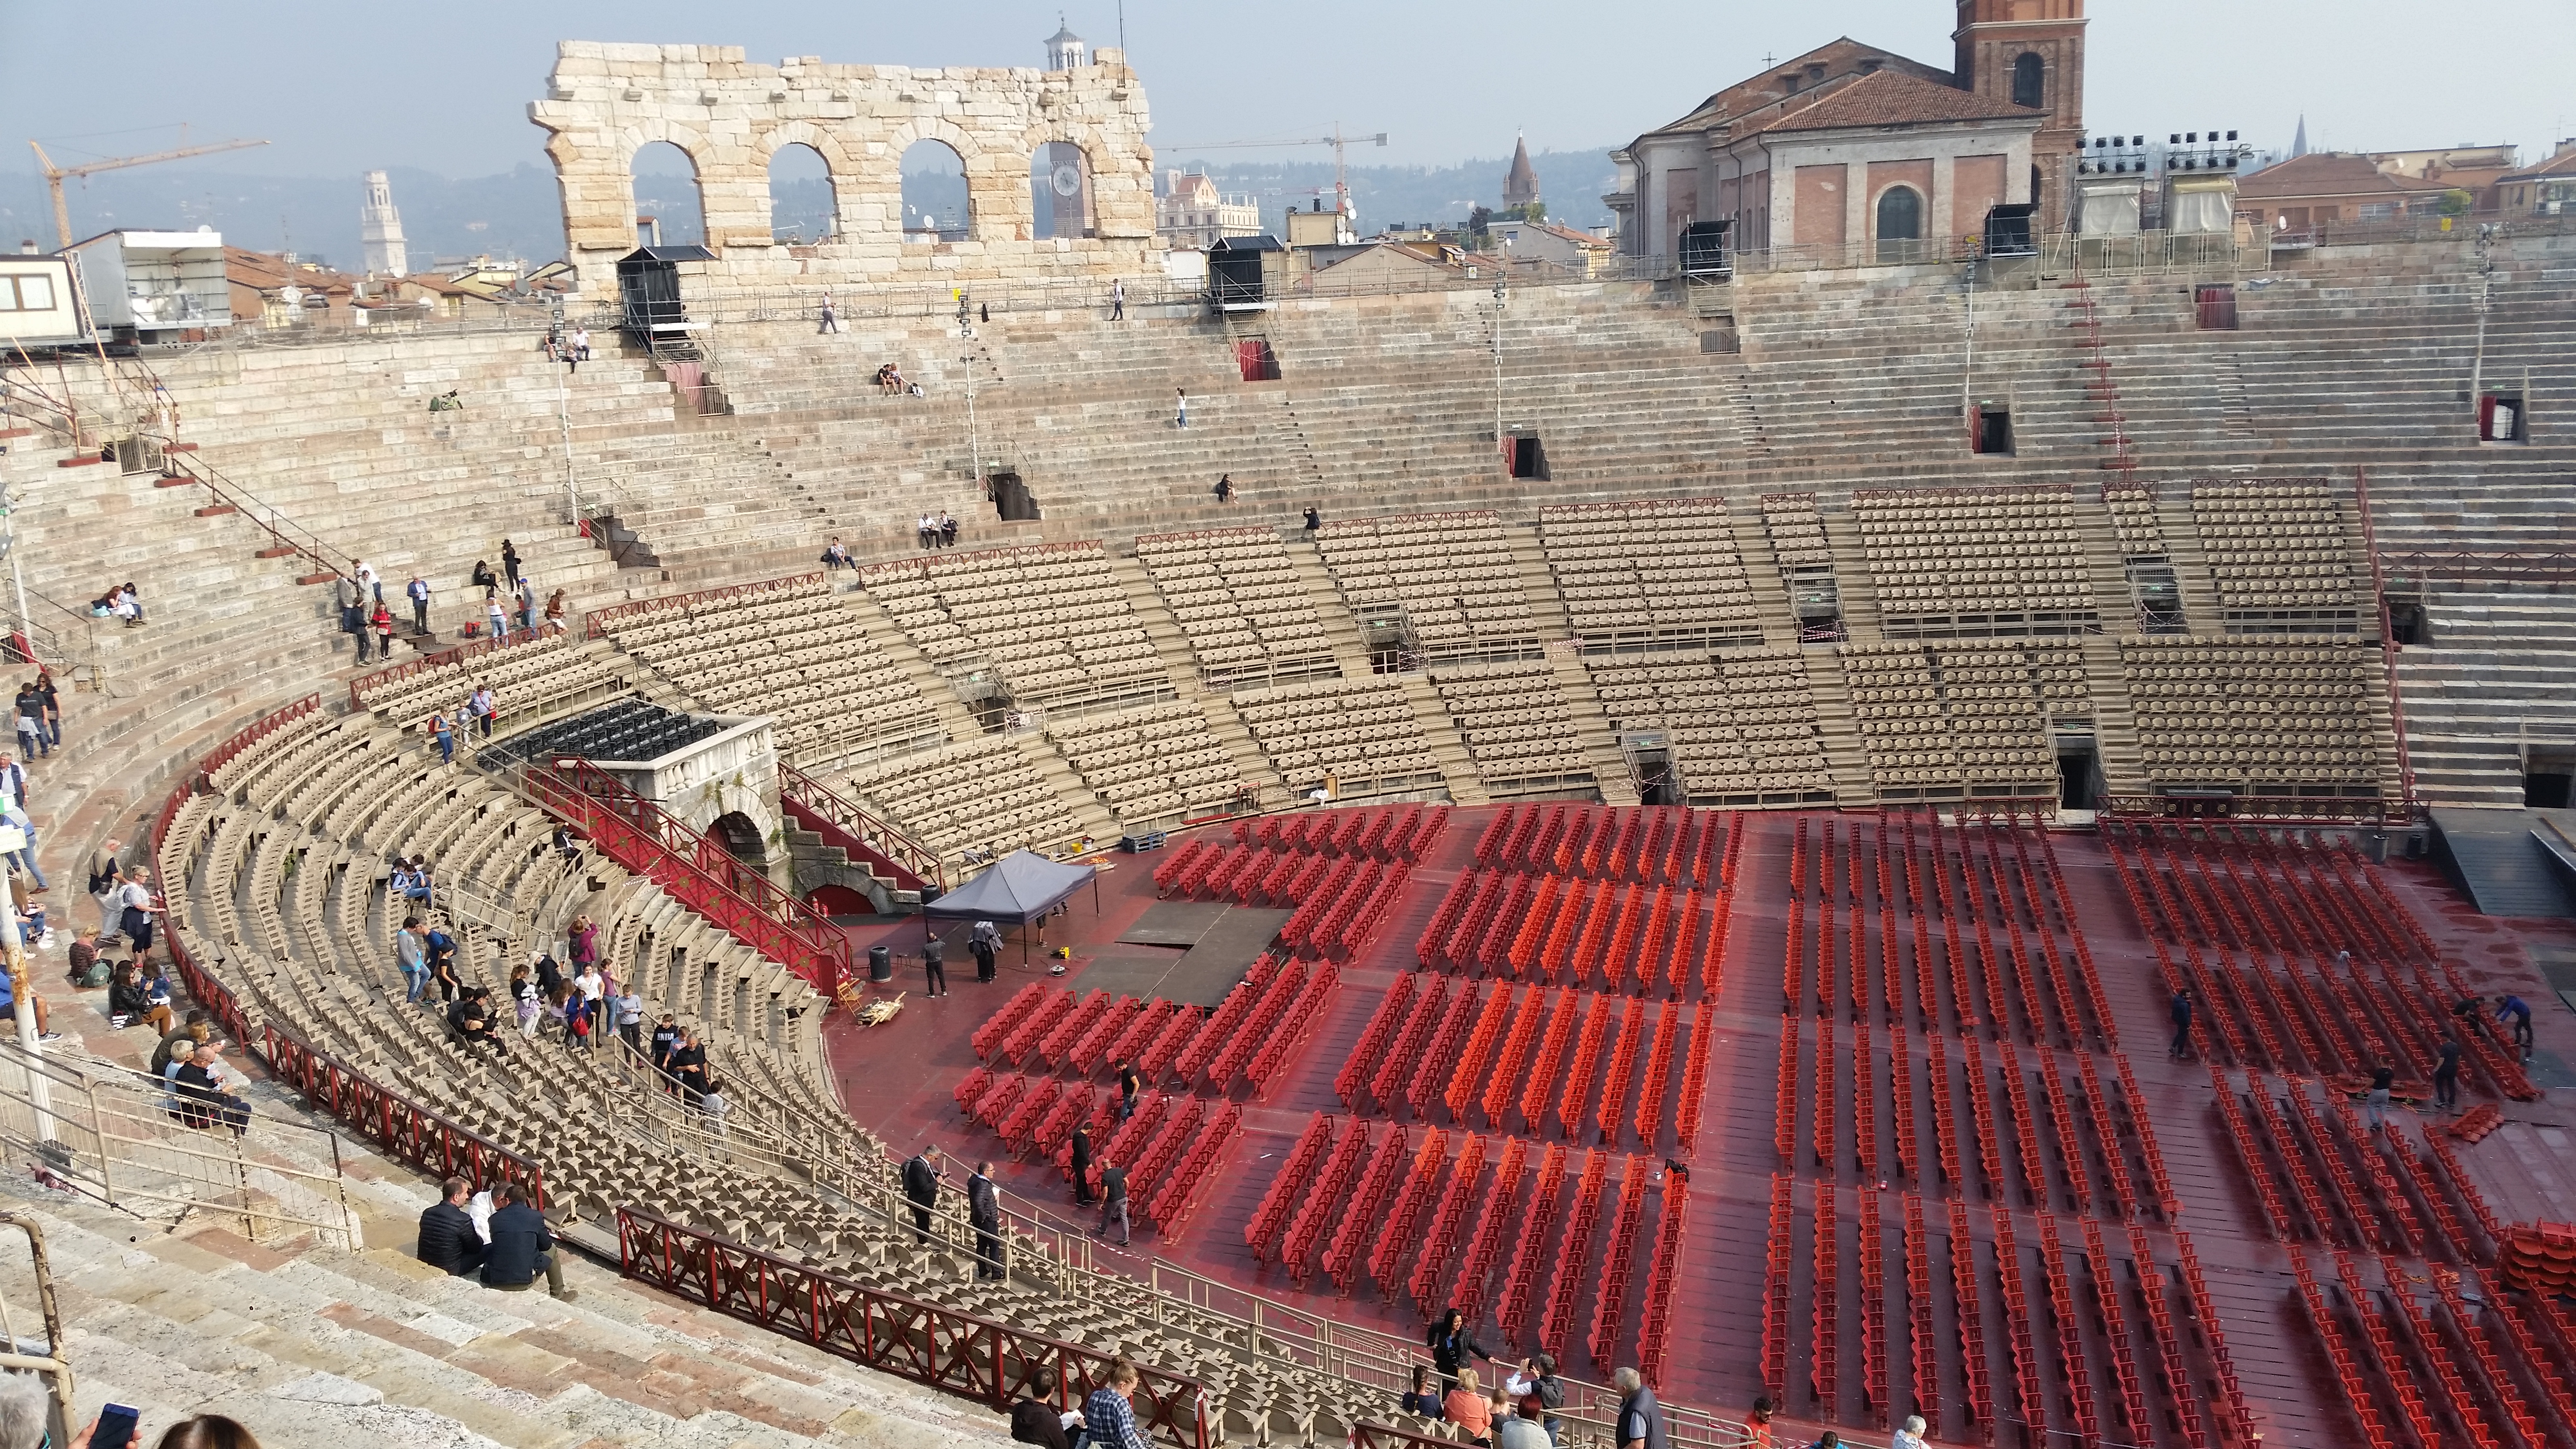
899, 1080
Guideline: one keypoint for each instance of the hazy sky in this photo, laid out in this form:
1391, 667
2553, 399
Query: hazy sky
339, 88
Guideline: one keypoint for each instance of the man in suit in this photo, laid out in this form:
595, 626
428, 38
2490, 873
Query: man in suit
921, 1189
984, 1210
448, 1241
522, 1247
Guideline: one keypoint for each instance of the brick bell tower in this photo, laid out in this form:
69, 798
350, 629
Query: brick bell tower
2031, 53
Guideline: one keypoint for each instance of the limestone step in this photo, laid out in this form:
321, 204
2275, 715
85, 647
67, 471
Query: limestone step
1592, 730
900, 651
1538, 582
1854, 787
1349, 648
1457, 767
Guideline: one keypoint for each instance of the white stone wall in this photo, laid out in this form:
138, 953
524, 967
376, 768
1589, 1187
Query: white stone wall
607, 101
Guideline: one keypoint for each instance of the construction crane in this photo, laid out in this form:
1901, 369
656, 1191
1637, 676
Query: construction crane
1339, 142
54, 174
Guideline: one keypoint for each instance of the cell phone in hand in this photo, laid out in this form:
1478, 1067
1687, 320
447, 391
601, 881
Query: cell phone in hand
116, 1425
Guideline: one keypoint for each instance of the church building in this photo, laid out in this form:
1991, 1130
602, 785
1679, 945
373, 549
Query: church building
1852, 144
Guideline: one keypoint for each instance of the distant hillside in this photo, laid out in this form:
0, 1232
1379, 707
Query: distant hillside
519, 213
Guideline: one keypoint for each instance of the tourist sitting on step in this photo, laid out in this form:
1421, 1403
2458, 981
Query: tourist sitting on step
469, 1018
889, 379
128, 1006
1035, 1418
522, 1247
448, 1240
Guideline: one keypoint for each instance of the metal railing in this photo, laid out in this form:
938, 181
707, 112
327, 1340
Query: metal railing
842, 822
697, 872
127, 1140
2418, 229
976, 1358
366, 684
401, 1129
50, 1364
2387, 635
270, 519
685, 604
2287, 809
2426, 568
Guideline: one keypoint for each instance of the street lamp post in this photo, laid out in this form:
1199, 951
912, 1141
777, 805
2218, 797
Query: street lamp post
974, 438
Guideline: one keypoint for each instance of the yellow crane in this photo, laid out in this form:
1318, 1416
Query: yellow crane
54, 174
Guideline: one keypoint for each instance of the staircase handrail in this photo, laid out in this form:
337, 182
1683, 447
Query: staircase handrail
267, 516
2496, 565
843, 822
698, 872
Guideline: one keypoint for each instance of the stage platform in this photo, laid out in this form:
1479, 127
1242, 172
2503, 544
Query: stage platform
1950, 962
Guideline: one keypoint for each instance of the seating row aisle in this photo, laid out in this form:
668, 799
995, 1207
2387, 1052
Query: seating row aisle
1052, 619
2273, 717
1660, 569
2001, 560
1152, 763
1517, 726
2278, 555
2133, 519
972, 802
1241, 603
1453, 575
790, 1174
788, 650
1741, 724
1361, 735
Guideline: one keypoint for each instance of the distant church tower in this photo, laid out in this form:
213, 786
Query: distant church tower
2031, 53
380, 230
1520, 185
1064, 49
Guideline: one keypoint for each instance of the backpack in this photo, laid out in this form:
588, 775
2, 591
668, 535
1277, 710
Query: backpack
96, 976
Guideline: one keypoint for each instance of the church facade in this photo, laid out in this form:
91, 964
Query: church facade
1852, 144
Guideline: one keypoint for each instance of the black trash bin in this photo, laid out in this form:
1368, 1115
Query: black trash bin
880, 964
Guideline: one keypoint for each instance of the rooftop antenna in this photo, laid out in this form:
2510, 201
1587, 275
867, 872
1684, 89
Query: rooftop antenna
1122, 27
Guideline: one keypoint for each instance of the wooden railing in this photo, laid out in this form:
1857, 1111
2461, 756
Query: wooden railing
975, 1358
844, 823
700, 874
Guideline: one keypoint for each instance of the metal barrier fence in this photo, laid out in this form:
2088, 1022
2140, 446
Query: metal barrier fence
960, 1353
129, 1141
401, 1129
50, 1363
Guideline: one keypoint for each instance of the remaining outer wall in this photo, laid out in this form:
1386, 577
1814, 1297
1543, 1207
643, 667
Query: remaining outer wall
1862, 163
605, 102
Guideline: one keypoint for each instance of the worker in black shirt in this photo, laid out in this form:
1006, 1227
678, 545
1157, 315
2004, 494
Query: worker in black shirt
1130, 1086
934, 969
921, 1189
2446, 1076
1113, 1200
1082, 1163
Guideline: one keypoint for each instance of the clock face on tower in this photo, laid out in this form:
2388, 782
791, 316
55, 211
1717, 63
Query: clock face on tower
1067, 179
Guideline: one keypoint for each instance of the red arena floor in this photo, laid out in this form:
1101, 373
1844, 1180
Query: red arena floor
1930, 1160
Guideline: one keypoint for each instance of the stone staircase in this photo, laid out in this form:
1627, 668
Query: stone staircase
1349, 648
2115, 723
900, 651
1538, 582
1228, 729
2497, 680
1844, 758
1592, 731
1090, 815
1160, 627
1457, 767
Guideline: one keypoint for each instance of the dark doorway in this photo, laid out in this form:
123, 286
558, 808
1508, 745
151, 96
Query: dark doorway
2030, 80
2545, 791
1012, 500
740, 838
2407, 622
2075, 777
1703, 250
1994, 429
1255, 361
1527, 458
2008, 230
2214, 306
2501, 418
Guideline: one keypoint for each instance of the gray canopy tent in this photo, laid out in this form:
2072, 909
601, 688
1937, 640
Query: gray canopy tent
1019, 888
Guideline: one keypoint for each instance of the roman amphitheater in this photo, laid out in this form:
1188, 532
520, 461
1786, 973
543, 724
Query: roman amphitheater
1980, 652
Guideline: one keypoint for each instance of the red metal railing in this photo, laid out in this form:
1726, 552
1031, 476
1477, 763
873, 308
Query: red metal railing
2505, 566
843, 823
959, 1353
924, 565
402, 1129
699, 873
2350, 809
600, 619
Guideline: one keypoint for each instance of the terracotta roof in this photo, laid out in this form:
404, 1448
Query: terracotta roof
2330, 173
1562, 233
2562, 164
1841, 58
1893, 98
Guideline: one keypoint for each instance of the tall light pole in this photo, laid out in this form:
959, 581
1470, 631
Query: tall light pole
2486, 285
1502, 299
974, 437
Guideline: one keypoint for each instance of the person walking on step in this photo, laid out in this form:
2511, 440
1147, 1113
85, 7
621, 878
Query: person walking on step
831, 319
986, 942
106, 886
984, 1211
2446, 1075
1641, 1419
32, 740
136, 906
418, 592
1130, 1086
2181, 1014
1452, 1342
484, 707
522, 1247
371, 585
381, 620
921, 1189
510, 562
440, 948
2375, 1106
1080, 1148
1181, 408
345, 594
448, 1241
1113, 1200
2518, 1011
689, 1067
497, 616
443, 735
1117, 299
934, 968
53, 707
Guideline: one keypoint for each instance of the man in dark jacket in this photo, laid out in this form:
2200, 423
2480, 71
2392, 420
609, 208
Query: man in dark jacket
1452, 1342
448, 1241
521, 1247
1082, 1163
1549, 1390
934, 969
1113, 1200
921, 1189
984, 1210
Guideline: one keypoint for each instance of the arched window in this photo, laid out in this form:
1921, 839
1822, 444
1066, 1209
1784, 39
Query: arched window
935, 208
668, 210
1060, 191
802, 204
1900, 222
2030, 81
